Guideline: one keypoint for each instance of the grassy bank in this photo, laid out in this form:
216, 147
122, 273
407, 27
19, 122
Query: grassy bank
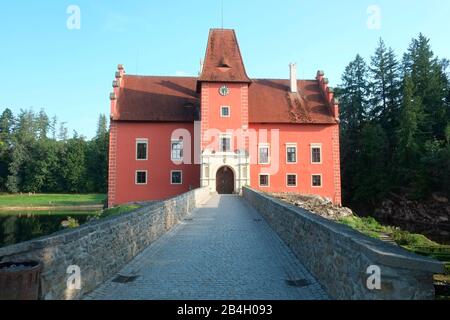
413, 242
49, 200
119, 210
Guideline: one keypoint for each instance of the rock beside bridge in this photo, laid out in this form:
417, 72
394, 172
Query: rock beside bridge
315, 204
435, 210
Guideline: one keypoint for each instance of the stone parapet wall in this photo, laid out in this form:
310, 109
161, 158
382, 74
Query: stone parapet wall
339, 257
101, 248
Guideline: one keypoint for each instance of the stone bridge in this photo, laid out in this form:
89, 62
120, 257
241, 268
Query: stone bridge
223, 250
202, 246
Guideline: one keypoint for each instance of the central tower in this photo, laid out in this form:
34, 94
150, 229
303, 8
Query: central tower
223, 85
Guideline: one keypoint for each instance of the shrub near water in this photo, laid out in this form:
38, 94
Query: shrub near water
371, 227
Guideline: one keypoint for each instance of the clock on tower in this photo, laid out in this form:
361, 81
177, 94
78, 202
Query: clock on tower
224, 90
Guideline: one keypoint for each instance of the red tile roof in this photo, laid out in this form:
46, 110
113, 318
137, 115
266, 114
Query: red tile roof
174, 99
272, 101
165, 99
223, 59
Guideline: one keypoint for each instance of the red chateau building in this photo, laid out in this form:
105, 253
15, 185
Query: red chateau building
222, 130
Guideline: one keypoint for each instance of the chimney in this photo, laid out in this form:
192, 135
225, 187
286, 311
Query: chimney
293, 72
201, 67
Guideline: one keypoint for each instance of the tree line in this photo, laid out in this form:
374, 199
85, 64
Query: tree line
37, 155
395, 125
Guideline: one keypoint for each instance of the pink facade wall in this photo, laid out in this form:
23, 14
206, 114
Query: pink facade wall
158, 165
304, 136
123, 163
212, 101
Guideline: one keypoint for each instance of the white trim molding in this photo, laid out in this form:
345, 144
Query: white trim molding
176, 160
312, 180
287, 180
316, 146
265, 146
291, 145
141, 141
211, 162
171, 177
268, 180
225, 136
223, 108
136, 177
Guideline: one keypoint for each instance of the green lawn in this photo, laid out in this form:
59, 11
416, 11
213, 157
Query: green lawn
50, 200
48, 213
119, 210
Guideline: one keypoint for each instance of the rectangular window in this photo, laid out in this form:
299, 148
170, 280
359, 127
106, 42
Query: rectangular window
291, 154
225, 112
316, 180
264, 155
291, 180
177, 150
316, 154
141, 149
176, 177
263, 180
225, 144
141, 177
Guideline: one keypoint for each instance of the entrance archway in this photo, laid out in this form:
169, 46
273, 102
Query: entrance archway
225, 181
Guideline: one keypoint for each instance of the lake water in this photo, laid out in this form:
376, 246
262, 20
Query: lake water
18, 227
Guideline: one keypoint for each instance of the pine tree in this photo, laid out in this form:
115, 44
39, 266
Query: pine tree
370, 179
409, 137
101, 126
354, 94
53, 127
385, 87
430, 84
42, 125
63, 133
354, 100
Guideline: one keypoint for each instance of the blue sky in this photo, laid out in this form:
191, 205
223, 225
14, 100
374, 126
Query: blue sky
68, 73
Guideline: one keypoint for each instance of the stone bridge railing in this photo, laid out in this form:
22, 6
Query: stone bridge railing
342, 259
100, 248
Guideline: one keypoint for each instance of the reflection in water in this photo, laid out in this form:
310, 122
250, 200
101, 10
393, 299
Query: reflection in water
18, 227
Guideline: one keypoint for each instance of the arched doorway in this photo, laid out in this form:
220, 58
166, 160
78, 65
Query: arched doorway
225, 181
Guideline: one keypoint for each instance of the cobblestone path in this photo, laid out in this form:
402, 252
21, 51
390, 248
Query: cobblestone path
222, 251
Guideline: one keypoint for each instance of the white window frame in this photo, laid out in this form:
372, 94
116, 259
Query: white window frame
141, 141
296, 180
268, 180
136, 178
171, 173
225, 136
221, 111
171, 150
321, 180
314, 146
265, 146
291, 145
